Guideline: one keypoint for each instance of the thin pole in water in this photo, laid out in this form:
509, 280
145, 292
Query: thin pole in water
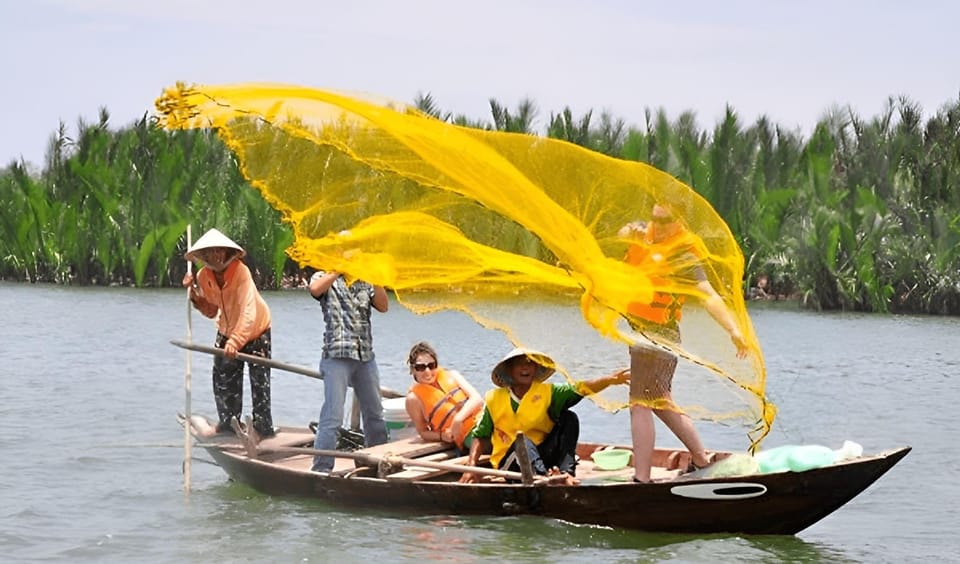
187, 438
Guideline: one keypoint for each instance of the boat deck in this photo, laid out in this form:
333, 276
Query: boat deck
667, 464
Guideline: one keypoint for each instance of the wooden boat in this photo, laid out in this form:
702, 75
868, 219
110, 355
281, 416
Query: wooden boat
417, 477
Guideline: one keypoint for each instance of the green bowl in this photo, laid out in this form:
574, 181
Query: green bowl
611, 459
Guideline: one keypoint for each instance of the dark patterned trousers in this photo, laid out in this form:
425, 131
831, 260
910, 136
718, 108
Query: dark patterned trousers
228, 385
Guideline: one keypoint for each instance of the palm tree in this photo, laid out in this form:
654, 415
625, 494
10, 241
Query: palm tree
520, 121
609, 136
564, 126
428, 105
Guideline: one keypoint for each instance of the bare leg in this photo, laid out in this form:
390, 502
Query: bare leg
643, 435
651, 379
682, 426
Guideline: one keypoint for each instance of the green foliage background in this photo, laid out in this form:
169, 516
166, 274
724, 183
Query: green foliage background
864, 215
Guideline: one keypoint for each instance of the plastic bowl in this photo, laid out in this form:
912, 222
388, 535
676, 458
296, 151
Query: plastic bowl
611, 459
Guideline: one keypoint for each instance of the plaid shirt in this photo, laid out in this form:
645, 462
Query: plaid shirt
346, 313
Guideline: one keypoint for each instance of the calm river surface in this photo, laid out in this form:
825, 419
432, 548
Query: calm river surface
90, 452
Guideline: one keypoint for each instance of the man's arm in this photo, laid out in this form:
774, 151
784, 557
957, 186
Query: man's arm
719, 311
320, 282
380, 302
597, 385
207, 308
477, 448
203, 306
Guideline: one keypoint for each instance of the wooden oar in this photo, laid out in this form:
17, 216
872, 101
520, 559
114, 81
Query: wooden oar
385, 392
523, 458
367, 458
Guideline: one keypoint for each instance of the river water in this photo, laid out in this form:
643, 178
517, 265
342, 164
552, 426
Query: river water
91, 454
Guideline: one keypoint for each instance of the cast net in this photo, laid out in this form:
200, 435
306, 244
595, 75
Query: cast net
522, 233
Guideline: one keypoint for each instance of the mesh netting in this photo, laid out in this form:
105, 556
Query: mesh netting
495, 225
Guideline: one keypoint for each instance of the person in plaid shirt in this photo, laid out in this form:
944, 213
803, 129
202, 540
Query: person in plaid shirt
348, 359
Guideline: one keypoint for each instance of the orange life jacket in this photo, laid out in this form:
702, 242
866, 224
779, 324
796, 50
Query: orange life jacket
441, 401
664, 308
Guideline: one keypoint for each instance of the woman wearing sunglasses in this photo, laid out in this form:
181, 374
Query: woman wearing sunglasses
442, 404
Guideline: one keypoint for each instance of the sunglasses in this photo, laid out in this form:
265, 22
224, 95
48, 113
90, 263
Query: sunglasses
420, 367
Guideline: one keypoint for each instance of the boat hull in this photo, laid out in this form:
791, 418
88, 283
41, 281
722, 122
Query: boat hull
781, 503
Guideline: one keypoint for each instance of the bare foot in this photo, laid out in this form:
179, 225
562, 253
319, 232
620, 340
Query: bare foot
556, 477
201, 427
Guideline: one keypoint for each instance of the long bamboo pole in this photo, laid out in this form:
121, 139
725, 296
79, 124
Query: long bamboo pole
187, 438
399, 460
272, 363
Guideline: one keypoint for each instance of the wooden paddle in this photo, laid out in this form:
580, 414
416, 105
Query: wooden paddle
371, 459
384, 392
523, 458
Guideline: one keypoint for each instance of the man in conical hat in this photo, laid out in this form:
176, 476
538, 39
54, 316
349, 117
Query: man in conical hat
224, 290
523, 402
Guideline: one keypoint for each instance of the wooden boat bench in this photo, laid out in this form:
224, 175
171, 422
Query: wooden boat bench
417, 448
412, 447
295, 438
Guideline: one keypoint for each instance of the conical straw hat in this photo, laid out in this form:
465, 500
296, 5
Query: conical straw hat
212, 239
545, 369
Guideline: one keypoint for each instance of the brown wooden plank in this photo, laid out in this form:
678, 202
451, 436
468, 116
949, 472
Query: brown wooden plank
288, 439
412, 447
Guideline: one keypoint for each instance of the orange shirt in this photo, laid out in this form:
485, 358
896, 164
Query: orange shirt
243, 315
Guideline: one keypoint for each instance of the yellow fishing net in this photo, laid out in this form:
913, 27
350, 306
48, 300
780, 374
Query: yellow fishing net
523, 233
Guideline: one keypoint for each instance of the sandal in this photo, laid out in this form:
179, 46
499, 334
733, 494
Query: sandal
693, 467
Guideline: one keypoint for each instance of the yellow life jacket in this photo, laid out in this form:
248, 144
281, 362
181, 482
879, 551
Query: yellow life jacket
531, 417
441, 401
